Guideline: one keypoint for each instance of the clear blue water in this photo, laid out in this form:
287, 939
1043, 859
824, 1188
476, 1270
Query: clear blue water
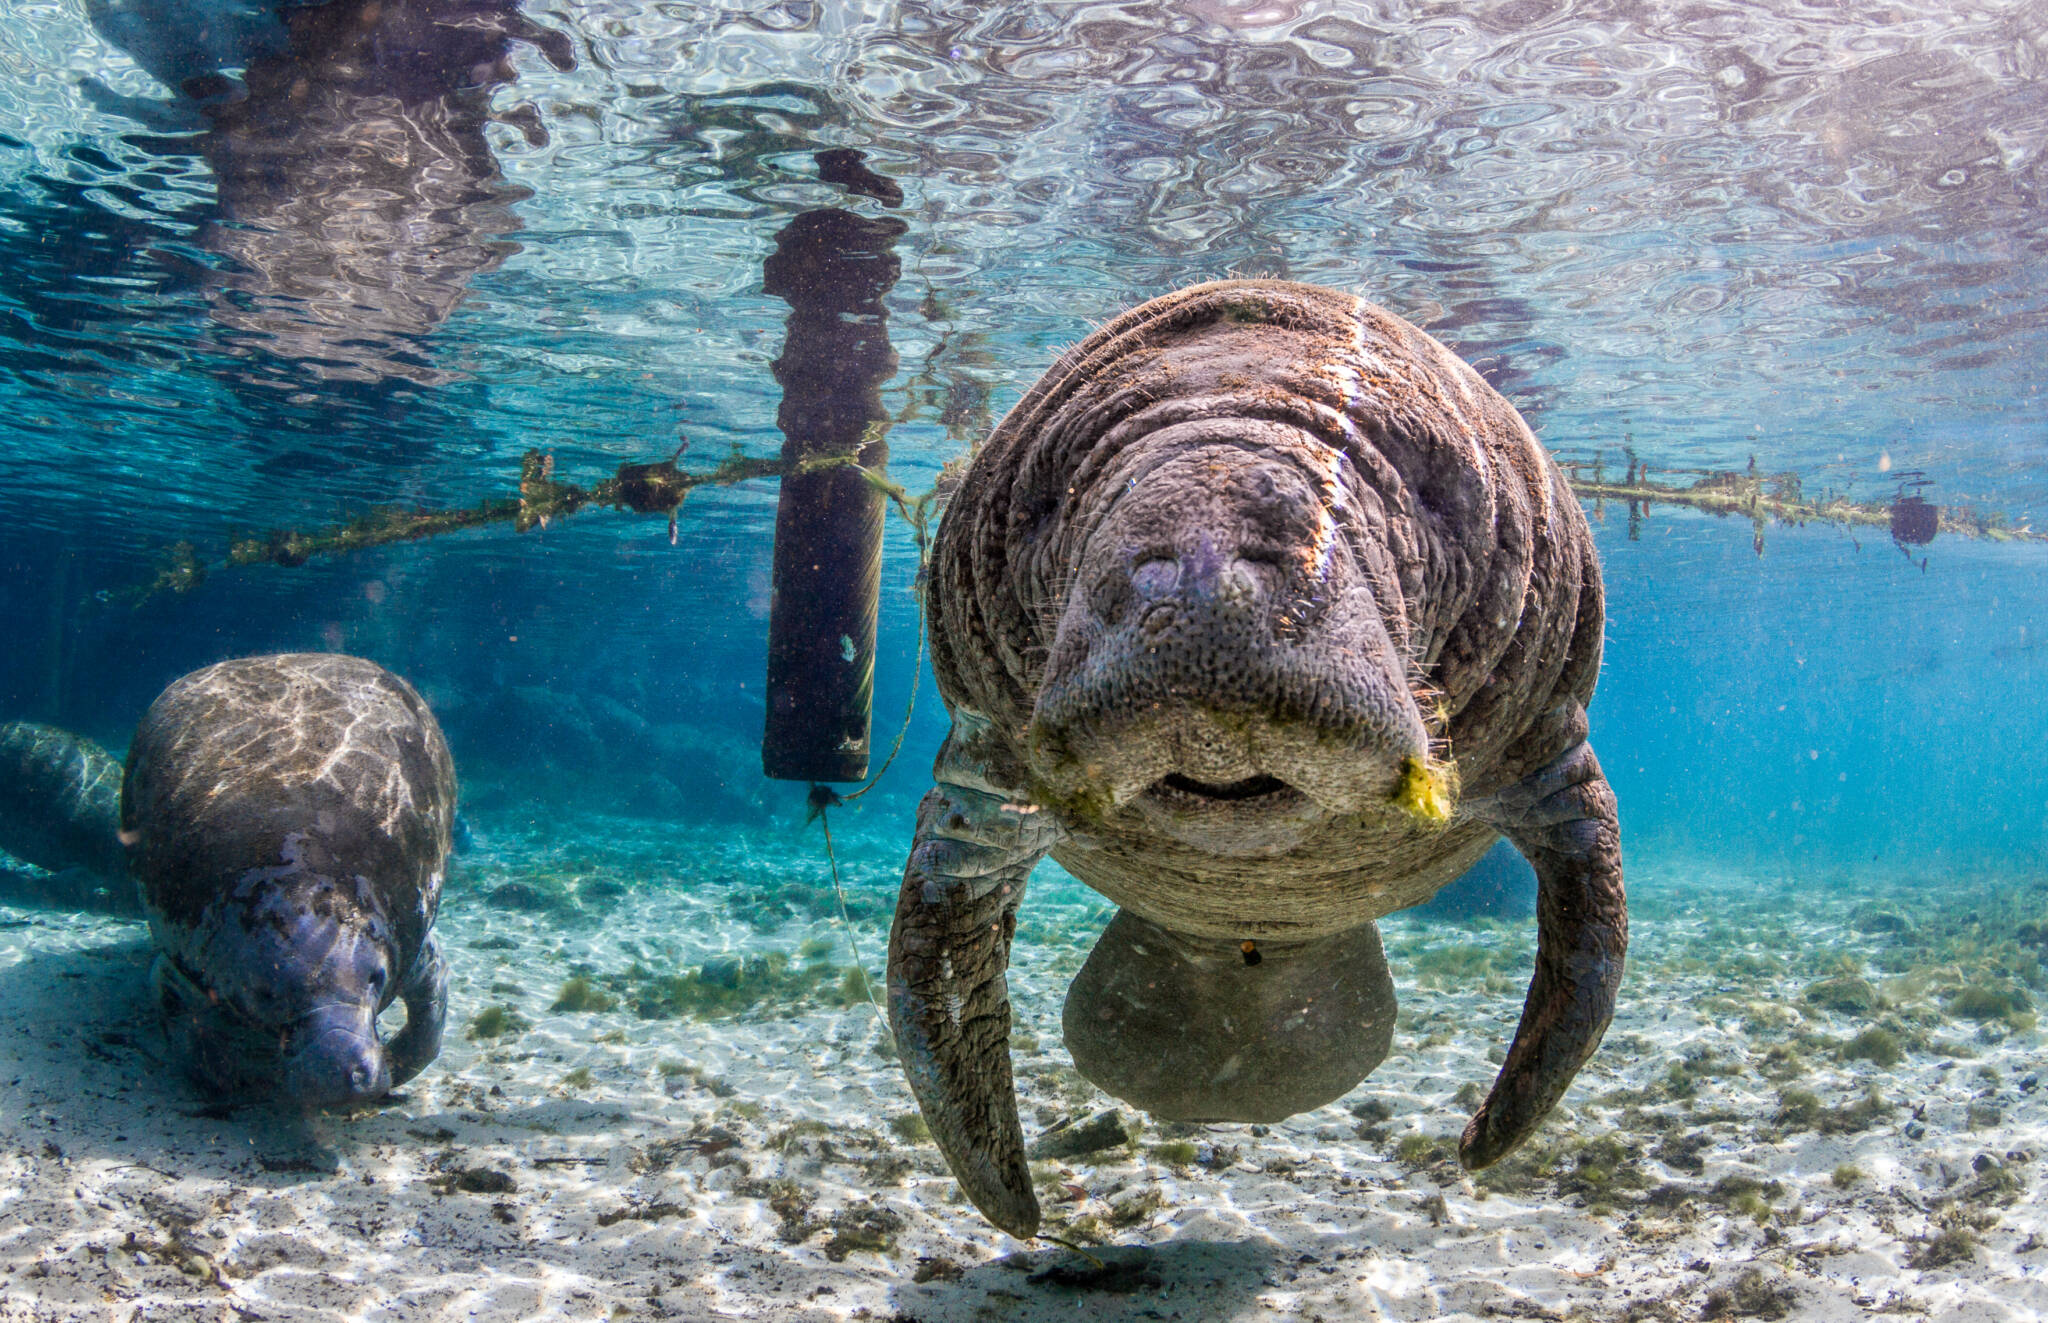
1804, 234
261, 271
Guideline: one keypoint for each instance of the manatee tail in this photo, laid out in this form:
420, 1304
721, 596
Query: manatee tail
1201, 1029
1562, 819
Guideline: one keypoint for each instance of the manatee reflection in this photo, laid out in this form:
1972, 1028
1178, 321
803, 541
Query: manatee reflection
357, 195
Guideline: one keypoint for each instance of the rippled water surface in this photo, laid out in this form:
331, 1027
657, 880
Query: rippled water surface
267, 253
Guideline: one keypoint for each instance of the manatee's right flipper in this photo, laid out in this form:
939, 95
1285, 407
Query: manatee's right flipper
1561, 817
1198, 1029
425, 993
224, 1058
949, 1002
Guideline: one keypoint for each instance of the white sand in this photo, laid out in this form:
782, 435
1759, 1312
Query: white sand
702, 1193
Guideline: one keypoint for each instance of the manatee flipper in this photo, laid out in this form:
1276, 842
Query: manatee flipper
215, 1046
1562, 818
949, 1002
425, 994
1197, 1029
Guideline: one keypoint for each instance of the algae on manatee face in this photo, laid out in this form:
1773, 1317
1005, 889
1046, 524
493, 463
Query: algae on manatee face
1427, 790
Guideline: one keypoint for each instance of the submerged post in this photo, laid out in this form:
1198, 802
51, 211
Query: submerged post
834, 268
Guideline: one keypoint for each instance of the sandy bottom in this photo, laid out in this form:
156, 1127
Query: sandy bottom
1724, 1156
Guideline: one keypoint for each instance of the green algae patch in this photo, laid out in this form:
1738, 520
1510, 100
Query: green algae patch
1523, 1171
862, 1226
1981, 1002
1603, 1171
498, 1021
1882, 922
1455, 965
1416, 1149
1754, 1294
1877, 1045
1799, 1109
600, 892
580, 994
1802, 1109
731, 985
1747, 1197
1603, 1168
1135, 1208
1848, 994
1955, 1245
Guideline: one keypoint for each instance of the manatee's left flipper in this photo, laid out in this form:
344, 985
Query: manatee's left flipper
1562, 819
425, 993
949, 1002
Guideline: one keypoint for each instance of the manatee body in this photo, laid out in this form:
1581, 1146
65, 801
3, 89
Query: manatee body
1266, 617
287, 820
60, 809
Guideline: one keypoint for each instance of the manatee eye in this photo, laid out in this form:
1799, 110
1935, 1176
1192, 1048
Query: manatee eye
1111, 597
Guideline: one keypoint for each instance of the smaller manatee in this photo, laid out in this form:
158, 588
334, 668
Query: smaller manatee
288, 819
60, 805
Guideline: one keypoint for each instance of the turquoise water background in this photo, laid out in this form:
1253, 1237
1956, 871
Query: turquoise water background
1811, 235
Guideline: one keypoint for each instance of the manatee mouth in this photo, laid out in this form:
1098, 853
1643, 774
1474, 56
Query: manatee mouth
1261, 791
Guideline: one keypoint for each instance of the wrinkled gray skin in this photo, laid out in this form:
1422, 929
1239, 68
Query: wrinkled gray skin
287, 820
1236, 562
60, 806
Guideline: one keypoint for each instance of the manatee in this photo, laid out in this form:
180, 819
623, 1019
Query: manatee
60, 805
287, 820
1266, 617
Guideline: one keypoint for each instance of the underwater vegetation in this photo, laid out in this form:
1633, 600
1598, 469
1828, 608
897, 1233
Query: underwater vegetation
728, 986
579, 994
498, 1021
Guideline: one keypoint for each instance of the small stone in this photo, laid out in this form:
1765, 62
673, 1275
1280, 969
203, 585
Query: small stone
1103, 1130
1914, 1130
937, 1268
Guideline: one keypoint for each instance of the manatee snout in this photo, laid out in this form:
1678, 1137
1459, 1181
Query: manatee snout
1221, 655
332, 1053
290, 1008
334, 1057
